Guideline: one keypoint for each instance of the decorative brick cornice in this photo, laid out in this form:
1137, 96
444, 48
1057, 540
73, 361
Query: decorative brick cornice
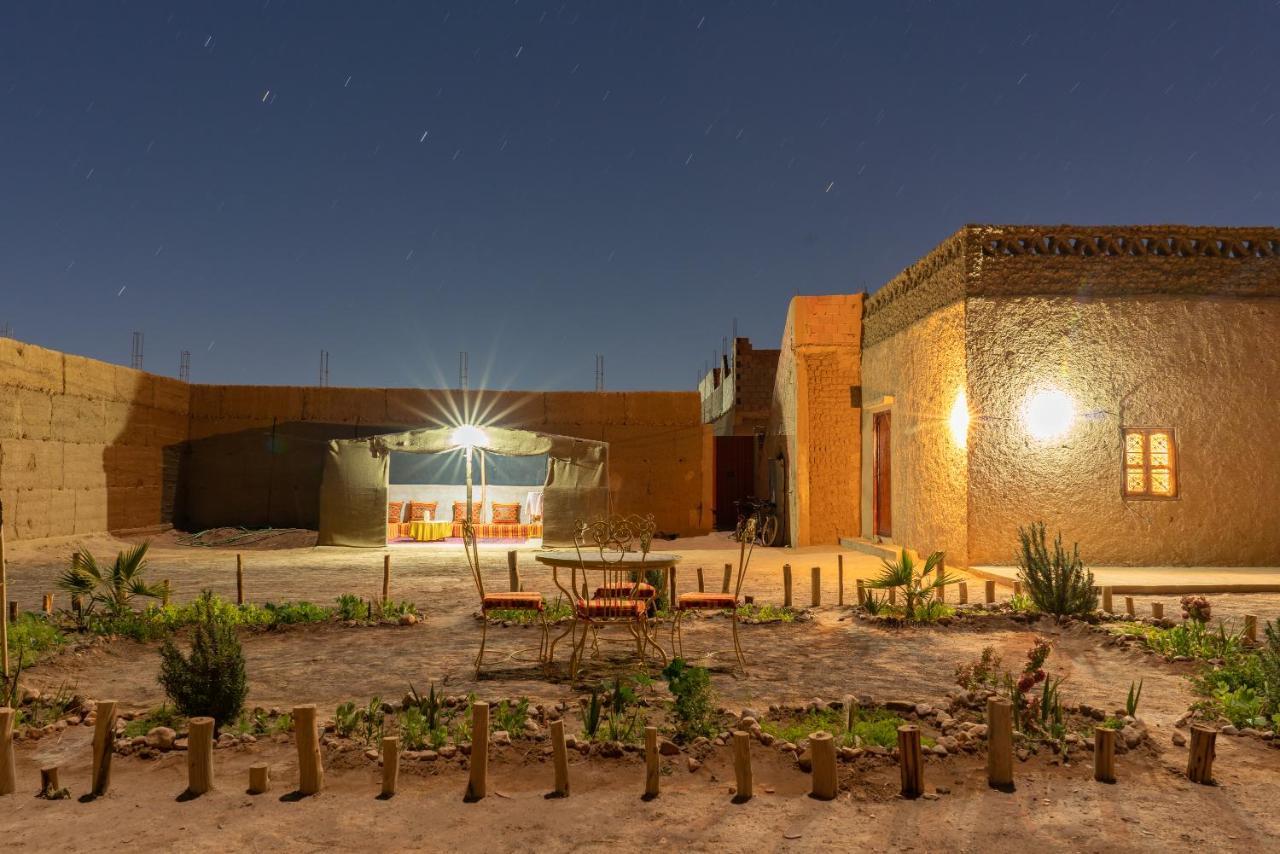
1163, 241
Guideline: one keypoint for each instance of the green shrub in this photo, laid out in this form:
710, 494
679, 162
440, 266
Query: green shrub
511, 716
693, 707
1057, 583
31, 637
871, 726
351, 607
918, 587
211, 680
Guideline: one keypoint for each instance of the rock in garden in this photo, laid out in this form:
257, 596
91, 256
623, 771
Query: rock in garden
408, 619
449, 751
900, 705
371, 755
1230, 730
667, 747
749, 713
502, 737
693, 764
1179, 740
226, 740
1132, 736
30, 695
161, 738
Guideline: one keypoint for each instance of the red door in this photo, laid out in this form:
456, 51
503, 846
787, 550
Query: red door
882, 513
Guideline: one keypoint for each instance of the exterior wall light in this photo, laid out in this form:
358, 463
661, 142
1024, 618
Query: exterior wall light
1048, 414
959, 420
469, 436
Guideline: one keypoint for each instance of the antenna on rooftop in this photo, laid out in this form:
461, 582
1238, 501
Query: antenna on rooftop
599, 371
184, 366
135, 360
324, 368
735, 329
464, 370
6, 331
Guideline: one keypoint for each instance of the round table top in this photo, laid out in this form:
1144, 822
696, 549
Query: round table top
591, 559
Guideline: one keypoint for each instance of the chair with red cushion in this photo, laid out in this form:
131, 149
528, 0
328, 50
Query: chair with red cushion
523, 600
730, 602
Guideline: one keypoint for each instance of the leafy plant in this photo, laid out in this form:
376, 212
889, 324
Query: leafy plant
982, 673
113, 587
693, 707
32, 636
1196, 608
591, 714
874, 606
1022, 604
1058, 583
917, 586
162, 715
510, 716
872, 726
763, 612
392, 610
413, 728
1131, 702
351, 607
346, 718
211, 680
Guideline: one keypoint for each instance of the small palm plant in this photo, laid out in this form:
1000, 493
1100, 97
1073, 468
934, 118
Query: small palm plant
111, 587
917, 586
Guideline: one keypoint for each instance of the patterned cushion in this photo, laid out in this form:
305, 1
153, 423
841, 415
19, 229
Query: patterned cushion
422, 511
460, 512
623, 591
395, 511
512, 601
505, 532
598, 608
687, 601
506, 514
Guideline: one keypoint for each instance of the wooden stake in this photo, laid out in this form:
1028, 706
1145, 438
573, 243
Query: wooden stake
560, 756
850, 712
671, 588
815, 585
239, 579
46, 603
840, 580
786, 585
164, 596
8, 776
13, 611
259, 778
1104, 754
822, 752
999, 742
390, 764
728, 576
862, 592
1157, 610
1017, 588
963, 587
893, 596
701, 589
104, 736
310, 765
1128, 607
386, 578
1200, 756
1106, 600
742, 766
910, 761
478, 785
651, 769
49, 782
1251, 628
199, 755
513, 570
990, 592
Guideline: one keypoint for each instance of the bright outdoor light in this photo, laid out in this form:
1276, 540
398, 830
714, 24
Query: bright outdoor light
1048, 413
959, 420
469, 436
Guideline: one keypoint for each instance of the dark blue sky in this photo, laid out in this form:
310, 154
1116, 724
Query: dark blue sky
536, 182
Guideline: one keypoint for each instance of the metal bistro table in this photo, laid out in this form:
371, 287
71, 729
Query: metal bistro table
609, 610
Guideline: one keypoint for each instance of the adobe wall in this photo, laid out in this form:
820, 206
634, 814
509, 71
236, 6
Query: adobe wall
82, 443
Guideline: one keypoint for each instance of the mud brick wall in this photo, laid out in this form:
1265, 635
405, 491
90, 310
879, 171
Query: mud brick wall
85, 446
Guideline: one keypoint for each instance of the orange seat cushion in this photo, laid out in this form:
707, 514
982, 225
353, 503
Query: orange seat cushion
624, 591
688, 601
422, 511
506, 514
395, 512
599, 608
512, 601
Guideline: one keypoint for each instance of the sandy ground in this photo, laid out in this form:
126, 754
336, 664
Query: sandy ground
1151, 808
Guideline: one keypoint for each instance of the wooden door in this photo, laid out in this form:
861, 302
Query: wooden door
735, 477
882, 496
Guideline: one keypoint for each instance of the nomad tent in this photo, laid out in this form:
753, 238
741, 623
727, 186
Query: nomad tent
353, 488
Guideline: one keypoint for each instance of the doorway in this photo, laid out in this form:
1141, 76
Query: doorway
881, 477
735, 477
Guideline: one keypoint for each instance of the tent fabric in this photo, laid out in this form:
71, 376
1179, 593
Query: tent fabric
353, 491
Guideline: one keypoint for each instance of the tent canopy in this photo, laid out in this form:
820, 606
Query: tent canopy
353, 489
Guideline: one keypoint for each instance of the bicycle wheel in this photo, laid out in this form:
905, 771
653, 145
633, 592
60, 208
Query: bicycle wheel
737, 531
769, 531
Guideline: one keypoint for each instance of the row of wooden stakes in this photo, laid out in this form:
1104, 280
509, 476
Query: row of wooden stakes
822, 749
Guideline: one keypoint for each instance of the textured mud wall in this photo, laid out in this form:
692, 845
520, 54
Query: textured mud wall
84, 445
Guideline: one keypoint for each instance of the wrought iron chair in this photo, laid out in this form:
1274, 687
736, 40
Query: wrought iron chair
622, 597
516, 601
686, 602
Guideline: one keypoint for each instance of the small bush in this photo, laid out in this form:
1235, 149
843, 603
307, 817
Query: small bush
31, 637
1058, 583
983, 673
1196, 608
694, 707
211, 680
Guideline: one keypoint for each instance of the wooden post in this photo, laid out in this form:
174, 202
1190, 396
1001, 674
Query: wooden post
104, 737
49, 786
1200, 755
671, 588
1128, 607
1157, 610
742, 766
8, 776
990, 592
1106, 599
390, 764
478, 785
239, 579
46, 603
815, 584
310, 766
386, 578
840, 580
164, 596
999, 742
199, 755
728, 576
862, 592
893, 596
786, 585
651, 770
4, 594
963, 588
513, 570
1251, 628
1104, 754
910, 761
822, 752
586, 594
259, 778
701, 588
1017, 588
850, 712
560, 756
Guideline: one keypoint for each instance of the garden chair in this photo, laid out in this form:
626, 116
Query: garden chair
730, 602
516, 601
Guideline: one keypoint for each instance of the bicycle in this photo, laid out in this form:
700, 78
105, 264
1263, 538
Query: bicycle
766, 515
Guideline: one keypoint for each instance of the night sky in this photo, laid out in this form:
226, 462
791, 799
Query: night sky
538, 182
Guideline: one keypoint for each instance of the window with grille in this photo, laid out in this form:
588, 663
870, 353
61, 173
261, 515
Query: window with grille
1150, 463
